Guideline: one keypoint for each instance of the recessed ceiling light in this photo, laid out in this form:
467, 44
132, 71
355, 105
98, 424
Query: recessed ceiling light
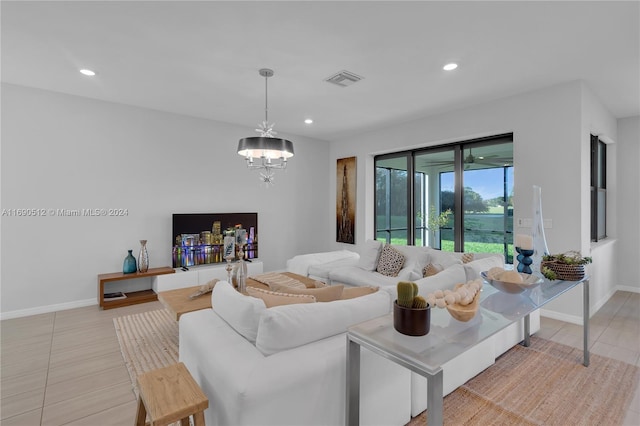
308, 121
450, 67
88, 72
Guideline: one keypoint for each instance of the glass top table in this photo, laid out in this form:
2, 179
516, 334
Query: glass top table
448, 338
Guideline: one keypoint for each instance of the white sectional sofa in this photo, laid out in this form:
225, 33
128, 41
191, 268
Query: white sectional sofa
286, 365
361, 270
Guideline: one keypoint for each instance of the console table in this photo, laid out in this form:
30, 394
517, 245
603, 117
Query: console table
133, 297
425, 355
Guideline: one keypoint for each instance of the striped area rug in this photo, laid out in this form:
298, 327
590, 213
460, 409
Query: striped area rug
148, 340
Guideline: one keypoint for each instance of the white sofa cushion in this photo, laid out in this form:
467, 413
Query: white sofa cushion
443, 280
321, 271
241, 312
473, 269
445, 258
416, 258
290, 326
301, 263
369, 255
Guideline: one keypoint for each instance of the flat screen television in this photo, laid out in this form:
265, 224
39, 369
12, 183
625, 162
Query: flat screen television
198, 238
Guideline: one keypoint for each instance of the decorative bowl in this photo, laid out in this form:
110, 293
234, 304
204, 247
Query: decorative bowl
528, 281
464, 313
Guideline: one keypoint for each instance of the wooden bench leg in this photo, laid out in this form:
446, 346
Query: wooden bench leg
141, 413
184, 422
198, 418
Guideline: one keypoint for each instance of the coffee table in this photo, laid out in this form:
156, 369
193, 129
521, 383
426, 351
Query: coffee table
178, 302
448, 338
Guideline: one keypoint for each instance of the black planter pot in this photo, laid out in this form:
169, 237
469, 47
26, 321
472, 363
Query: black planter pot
412, 322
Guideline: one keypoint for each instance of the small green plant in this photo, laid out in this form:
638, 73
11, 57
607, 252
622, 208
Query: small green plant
568, 258
549, 274
408, 296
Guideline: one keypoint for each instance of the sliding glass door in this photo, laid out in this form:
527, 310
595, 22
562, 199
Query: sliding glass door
392, 200
461, 197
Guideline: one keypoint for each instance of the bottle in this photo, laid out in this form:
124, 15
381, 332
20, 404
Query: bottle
129, 265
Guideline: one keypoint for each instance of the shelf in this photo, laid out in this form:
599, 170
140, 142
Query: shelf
133, 297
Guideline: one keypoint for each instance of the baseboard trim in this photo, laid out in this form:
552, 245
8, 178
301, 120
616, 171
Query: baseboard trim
46, 309
575, 319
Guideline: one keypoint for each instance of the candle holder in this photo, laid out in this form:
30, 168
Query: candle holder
524, 260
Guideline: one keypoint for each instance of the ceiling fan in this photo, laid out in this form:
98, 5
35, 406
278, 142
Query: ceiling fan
470, 160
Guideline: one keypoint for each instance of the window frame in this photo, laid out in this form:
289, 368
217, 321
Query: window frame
598, 187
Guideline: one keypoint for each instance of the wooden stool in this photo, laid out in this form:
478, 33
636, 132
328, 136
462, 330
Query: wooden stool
170, 394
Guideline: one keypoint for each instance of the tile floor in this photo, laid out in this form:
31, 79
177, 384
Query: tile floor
65, 368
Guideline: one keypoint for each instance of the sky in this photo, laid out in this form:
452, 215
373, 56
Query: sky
489, 183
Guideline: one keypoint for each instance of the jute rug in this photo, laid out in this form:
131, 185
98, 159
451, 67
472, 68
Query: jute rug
148, 340
544, 384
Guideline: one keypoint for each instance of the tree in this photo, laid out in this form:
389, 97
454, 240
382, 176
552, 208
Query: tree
473, 202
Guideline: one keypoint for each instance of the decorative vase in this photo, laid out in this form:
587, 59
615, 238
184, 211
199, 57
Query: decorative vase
143, 257
241, 276
129, 265
411, 321
537, 232
524, 260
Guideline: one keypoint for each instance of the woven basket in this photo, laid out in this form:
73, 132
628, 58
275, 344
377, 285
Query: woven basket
563, 271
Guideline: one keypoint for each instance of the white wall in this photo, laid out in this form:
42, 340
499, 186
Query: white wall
549, 151
67, 152
628, 188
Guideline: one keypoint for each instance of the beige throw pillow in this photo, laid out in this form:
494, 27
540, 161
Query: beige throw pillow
431, 269
272, 298
324, 294
467, 257
390, 262
353, 292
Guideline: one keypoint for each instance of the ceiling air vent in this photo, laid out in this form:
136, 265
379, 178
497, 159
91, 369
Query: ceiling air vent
344, 78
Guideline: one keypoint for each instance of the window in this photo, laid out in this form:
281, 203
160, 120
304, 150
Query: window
459, 199
598, 189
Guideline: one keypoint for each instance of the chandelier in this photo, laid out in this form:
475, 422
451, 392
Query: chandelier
266, 152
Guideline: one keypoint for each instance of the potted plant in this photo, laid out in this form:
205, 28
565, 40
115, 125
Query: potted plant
435, 222
411, 313
567, 266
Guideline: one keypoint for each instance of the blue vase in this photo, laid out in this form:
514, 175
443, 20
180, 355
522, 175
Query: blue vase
129, 266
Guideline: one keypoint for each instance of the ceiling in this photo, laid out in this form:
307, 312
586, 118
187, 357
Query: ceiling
202, 58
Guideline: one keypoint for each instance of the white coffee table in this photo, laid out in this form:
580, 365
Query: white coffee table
448, 338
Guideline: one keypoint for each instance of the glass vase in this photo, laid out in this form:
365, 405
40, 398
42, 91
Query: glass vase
537, 232
143, 257
129, 265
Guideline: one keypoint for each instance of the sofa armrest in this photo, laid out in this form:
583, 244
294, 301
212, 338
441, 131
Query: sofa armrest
300, 264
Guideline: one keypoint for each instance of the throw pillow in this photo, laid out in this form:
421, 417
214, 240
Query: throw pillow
272, 298
431, 269
473, 269
353, 292
390, 262
324, 294
287, 327
467, 257
369, 255
241, 312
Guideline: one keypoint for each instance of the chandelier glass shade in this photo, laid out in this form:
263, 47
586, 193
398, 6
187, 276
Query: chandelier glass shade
265, 152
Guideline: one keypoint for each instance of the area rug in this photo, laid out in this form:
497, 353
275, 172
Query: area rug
544, 384
148, 340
